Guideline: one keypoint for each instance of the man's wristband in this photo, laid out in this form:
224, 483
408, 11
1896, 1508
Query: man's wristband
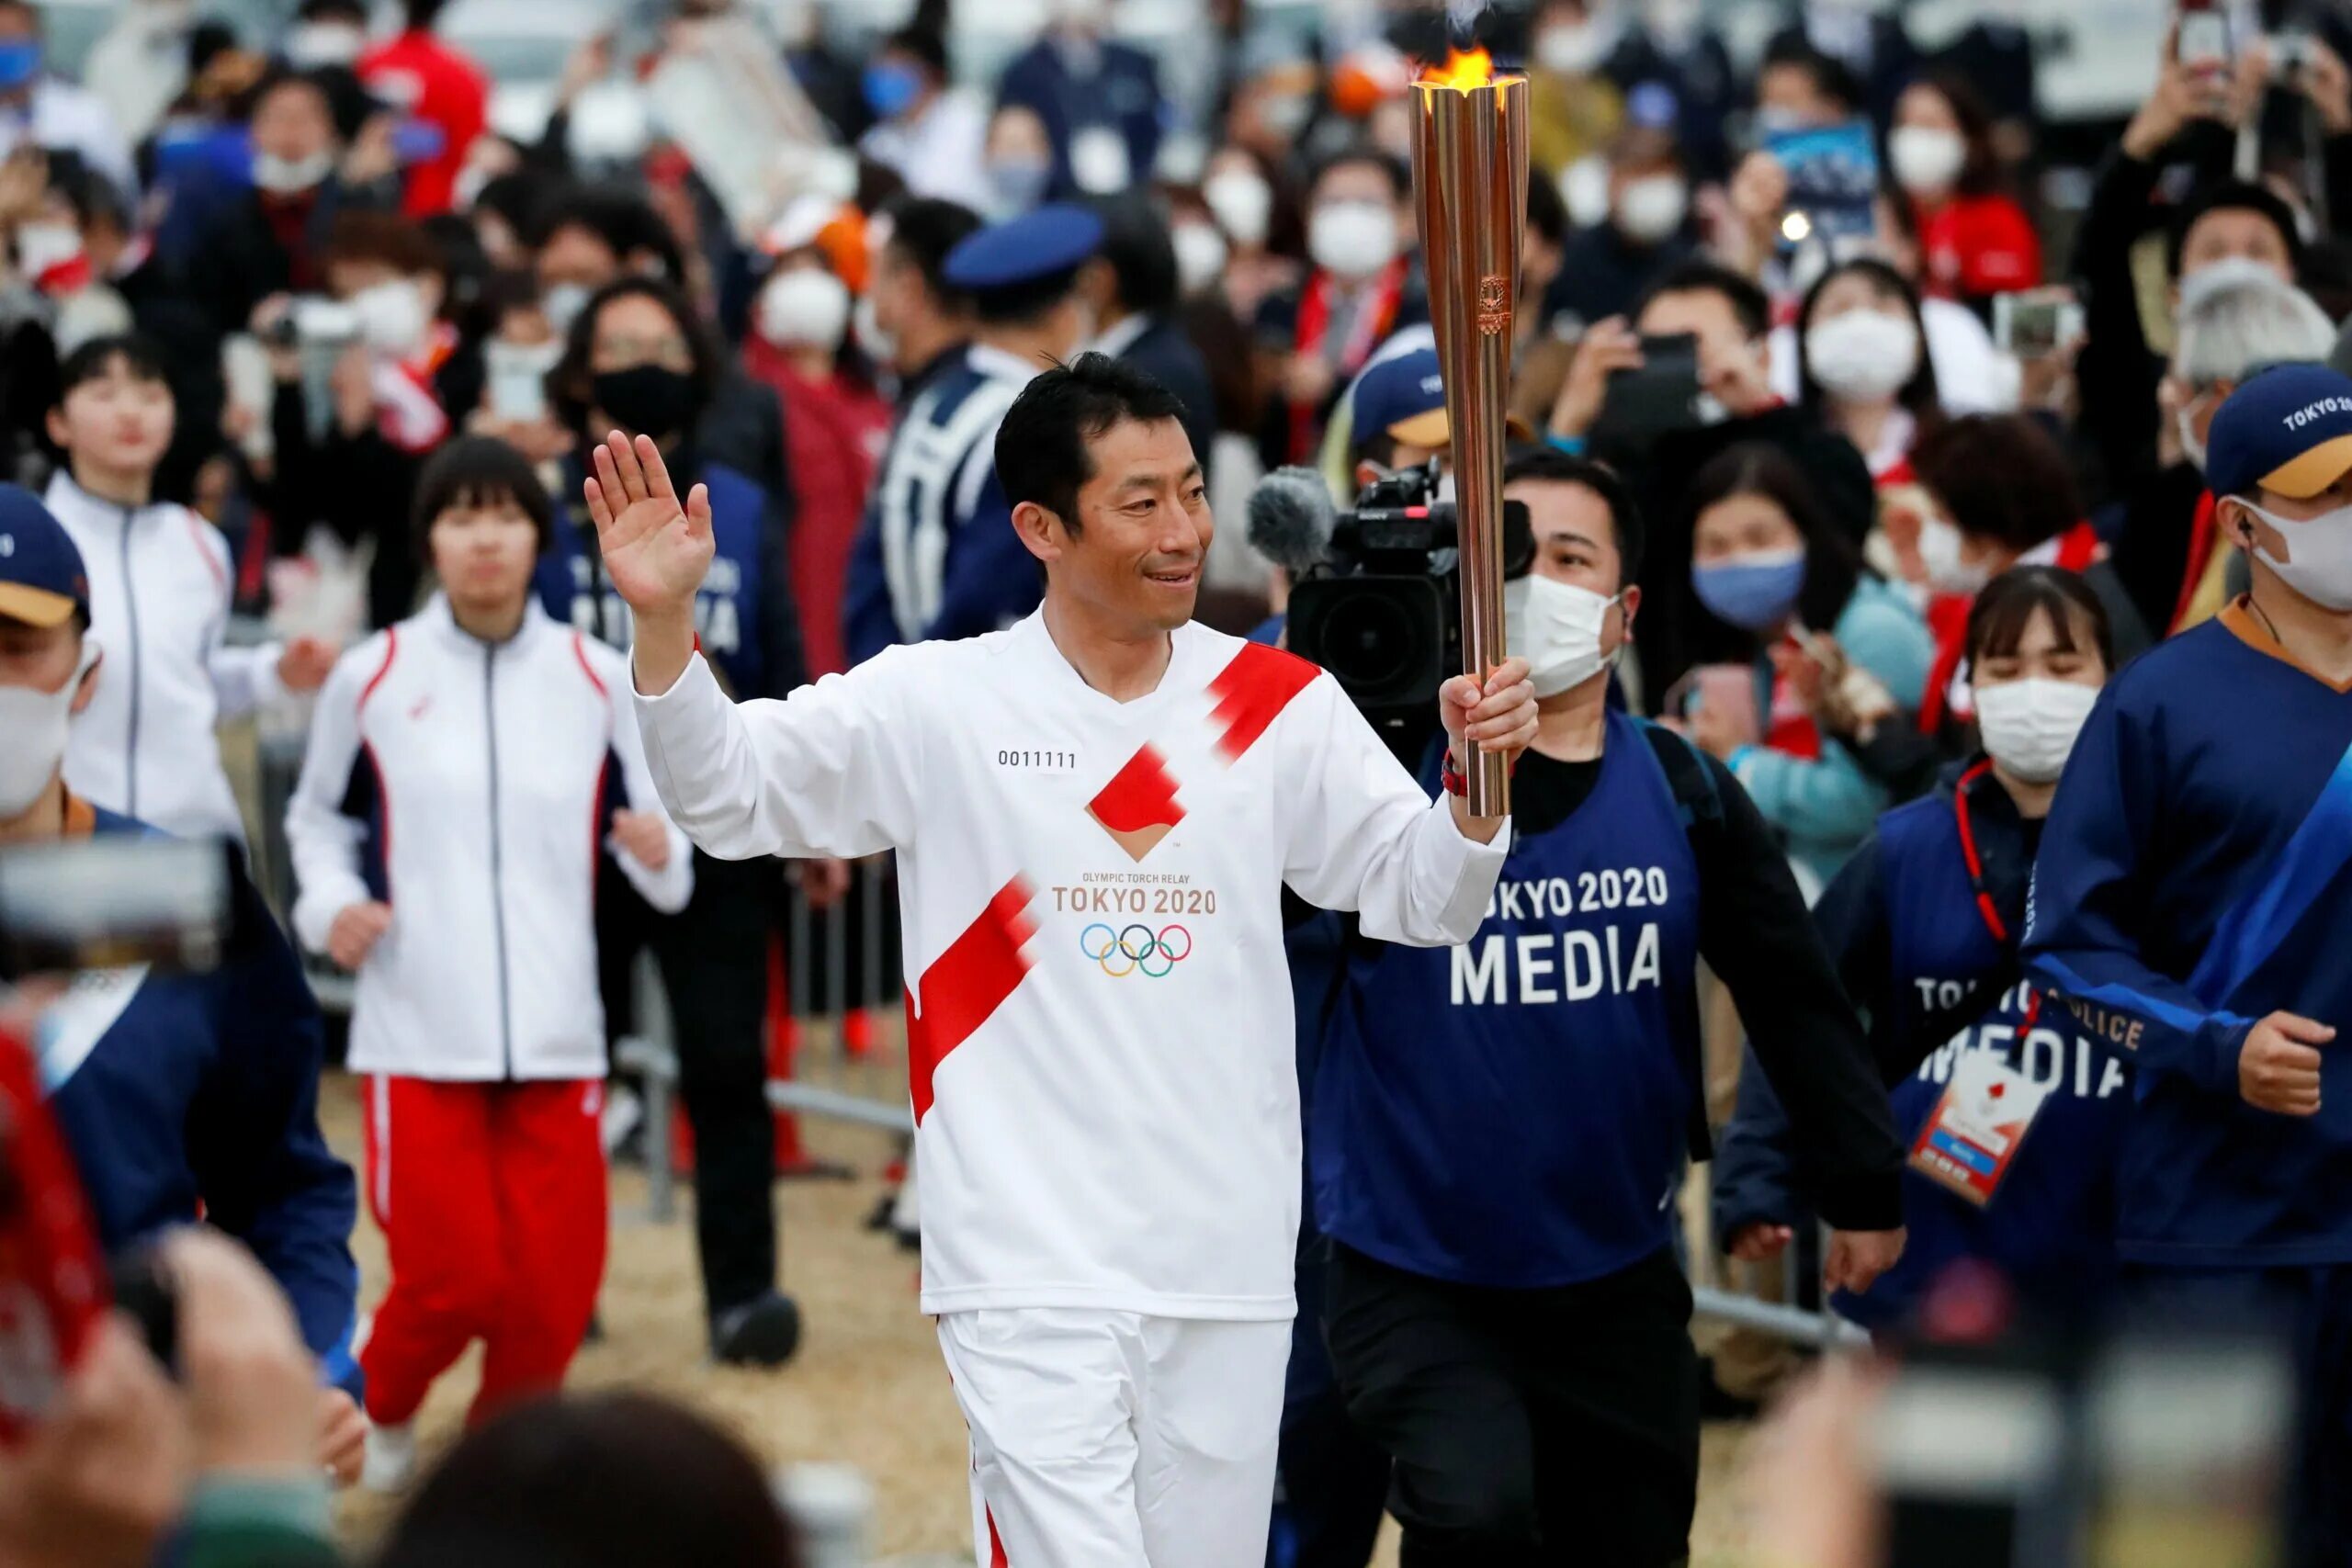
1455, 781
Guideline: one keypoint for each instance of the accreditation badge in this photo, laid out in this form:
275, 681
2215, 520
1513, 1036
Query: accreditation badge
1977, 1125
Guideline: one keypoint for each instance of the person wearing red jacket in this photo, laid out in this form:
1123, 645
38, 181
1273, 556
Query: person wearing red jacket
435, 84
835, 425
1977, 241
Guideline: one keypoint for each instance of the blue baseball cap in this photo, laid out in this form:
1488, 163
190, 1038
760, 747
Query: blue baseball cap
42, 581
2287, 429
1405, 398
1055, 238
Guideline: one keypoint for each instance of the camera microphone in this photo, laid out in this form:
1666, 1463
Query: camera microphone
1290, 518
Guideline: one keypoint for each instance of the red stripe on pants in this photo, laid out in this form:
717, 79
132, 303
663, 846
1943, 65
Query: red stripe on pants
492, 1200
965, 984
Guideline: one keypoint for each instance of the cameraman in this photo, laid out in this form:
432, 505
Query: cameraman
177, 1094
1506, 1314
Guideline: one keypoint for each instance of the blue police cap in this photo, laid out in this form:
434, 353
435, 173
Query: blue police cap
1028, 249
2288, 430
41, 578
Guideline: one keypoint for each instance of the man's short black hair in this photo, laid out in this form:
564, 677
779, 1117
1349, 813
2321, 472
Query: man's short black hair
620, 217
478, 470
1699, 275
2231, 195
1832, 77
1549, 465
133, 353
1041, 453
1140, 252
928, 45
2001, 476
333, 11
1399, 177
924, 228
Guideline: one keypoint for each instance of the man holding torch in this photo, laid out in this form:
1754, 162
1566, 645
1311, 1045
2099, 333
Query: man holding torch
1095, 812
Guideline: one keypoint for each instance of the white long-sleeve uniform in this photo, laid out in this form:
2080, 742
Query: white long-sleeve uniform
467, 785
160, 592
1099, 1025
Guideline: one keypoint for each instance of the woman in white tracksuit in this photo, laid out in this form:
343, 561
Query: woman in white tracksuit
467, 769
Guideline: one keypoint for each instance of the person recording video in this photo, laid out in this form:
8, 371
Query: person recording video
1511, 1323
177, 1094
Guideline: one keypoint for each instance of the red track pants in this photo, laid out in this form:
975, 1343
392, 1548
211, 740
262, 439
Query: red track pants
491, 1199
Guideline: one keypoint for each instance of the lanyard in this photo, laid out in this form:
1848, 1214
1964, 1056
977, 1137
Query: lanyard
1986, 910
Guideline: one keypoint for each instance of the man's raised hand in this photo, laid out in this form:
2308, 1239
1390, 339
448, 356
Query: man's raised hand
656, 551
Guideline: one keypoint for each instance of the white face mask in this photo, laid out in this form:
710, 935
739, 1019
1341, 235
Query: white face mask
309, 45
515, 374
286, 177
1584, 190
1351, 238
2185, 425
1200, 257
1651, 208
2319, 555
879, 345
2230, 272
1556, 628
562, 304
41, 246
1927, 161
1940, 547
35, 722
806, 307
1242, 204
1863, 356
2029, 727
392, 317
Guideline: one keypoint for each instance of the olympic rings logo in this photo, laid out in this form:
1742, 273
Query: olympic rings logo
1133, 949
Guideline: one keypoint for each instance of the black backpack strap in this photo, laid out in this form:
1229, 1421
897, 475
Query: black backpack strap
1697, 800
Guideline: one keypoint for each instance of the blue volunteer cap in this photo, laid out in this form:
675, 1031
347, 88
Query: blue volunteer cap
42, 581
1031, 248
1405, 398
2287, 429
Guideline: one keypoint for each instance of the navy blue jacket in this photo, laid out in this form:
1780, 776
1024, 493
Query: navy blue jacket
1122, 97
199, 1094
743, 611
1918, 957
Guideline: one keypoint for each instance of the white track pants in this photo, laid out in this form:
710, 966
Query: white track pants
1110, 1440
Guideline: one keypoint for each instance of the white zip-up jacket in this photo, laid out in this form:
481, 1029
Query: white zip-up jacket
160, 584
468, 784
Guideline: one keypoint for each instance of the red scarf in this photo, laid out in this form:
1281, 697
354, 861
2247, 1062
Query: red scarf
1372, 324
2204, 533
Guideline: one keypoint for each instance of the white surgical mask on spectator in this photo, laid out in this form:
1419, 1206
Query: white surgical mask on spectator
41, 246
35, 722
1571, 49
879, 345
1286, 114
1863, 355
1200, 257
1584, 190
287, 176
309, 45
1651, 210
392, 317
563, 302
2230, 272
806, 308
1927, 161
1555, 626
1018, 184
1242, 203
2319, 550
2029, 727
1939, 553
515, 376
2185, 425
1351, 238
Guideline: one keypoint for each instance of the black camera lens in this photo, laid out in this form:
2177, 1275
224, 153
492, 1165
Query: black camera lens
1367, 640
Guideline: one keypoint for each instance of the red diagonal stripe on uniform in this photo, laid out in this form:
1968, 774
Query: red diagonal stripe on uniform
1141, 795
997, 1559
965, 984
1252, 691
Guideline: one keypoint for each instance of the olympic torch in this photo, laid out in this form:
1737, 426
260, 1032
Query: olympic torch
1470, 191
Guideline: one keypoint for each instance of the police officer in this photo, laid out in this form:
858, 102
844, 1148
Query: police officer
938, 556
1924, 922
1499, 1128
637, 359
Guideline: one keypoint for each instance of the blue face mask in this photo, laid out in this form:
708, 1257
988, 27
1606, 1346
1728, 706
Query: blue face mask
1752, 592
889, 88
19, 61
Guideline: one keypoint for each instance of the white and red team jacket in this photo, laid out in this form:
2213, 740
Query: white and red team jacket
1099, 1026
161, 588
468, 784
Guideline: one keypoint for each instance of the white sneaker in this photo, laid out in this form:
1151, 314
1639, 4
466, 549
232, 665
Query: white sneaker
391, 1463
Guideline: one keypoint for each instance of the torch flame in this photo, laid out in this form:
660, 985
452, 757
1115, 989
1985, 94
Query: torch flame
1463, 71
